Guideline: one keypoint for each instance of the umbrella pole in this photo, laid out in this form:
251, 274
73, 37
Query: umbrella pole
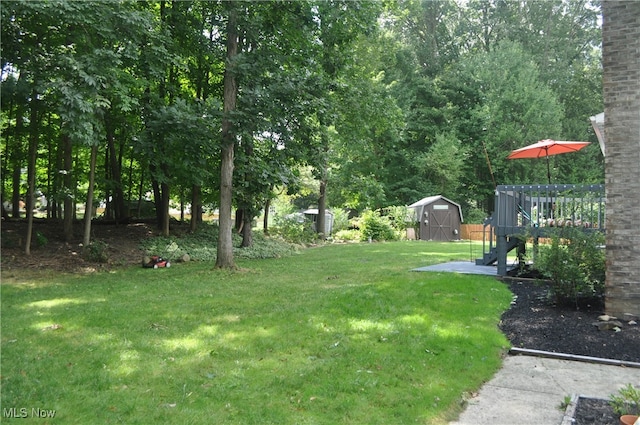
548, 170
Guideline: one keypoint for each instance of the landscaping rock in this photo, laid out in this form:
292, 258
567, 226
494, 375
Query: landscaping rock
611, 325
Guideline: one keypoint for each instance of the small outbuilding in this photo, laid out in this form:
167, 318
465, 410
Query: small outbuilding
439, 218
312, 214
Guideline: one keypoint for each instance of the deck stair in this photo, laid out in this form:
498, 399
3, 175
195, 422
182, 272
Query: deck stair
535, 211
490, 252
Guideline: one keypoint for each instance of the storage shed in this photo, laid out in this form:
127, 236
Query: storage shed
439, 218
312, 214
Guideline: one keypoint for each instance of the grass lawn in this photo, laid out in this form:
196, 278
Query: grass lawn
341, 334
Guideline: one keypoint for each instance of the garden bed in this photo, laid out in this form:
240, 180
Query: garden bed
534, 321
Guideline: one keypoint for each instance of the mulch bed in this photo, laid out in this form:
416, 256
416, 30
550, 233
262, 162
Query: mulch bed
534, 321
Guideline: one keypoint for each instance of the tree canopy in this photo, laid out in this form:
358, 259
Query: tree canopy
217, 105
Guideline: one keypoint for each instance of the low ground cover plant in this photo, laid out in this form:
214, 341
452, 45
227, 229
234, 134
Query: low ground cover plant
336, 334
201, 245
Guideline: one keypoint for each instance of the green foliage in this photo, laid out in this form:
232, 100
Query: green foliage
376, 227
201, 245
575, 264
266, 247
626, 401
340, 219
400, 217
96, 251
474, 215
393, 100
566, 401
294, 228
348, 235
41, 240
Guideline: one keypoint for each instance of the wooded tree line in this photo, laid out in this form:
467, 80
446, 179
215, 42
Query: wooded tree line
225, 104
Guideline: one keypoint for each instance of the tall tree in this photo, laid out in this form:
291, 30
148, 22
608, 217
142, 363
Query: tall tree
224, 258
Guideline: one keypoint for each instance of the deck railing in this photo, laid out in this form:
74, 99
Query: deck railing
534, 209
559, 205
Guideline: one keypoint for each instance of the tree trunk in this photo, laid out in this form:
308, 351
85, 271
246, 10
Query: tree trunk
57, 185
196, 208
119, 208
31, 168
322, 206
225, 246
247, 231
157, 201
88, 209
165, 209
67, 183
108, 198
17, 153
265, 220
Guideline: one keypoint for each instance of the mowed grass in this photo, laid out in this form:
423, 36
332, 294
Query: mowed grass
340, 334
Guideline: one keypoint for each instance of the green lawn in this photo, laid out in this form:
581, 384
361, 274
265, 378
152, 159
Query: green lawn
341, 334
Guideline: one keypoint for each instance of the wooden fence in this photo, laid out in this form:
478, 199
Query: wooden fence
471, 232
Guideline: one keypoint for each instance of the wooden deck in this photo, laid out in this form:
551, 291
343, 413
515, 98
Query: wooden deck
536, 211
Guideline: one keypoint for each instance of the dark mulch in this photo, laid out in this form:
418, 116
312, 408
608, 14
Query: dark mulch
591, 411
534, 321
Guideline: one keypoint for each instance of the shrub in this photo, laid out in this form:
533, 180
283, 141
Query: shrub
202, 245
375, 227
348, 235
400, 217
340, 220
475, 216
574, 263
96, 251
41, 240
627, 401
294, 228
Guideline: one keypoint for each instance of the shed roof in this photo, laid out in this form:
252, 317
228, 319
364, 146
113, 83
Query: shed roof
431, 199
315, 211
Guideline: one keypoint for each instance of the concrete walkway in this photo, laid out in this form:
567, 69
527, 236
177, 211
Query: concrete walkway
529, 390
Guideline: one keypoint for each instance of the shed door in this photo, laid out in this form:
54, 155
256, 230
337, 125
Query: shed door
440, 225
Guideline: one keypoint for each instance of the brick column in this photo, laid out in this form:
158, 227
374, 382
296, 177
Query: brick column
621, 82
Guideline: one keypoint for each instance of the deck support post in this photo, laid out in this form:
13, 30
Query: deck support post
501, 245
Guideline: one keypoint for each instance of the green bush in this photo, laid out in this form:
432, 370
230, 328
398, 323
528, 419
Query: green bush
575, 264
376, 227
96, 251
627, 401
266, 247
41, 240
294, 228
400, 217
348, 235
340, 220
475, 216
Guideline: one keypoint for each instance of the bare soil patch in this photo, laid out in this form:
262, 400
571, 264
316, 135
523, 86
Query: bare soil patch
120, 244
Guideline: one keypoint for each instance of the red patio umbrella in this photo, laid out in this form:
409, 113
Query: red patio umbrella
546, 148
